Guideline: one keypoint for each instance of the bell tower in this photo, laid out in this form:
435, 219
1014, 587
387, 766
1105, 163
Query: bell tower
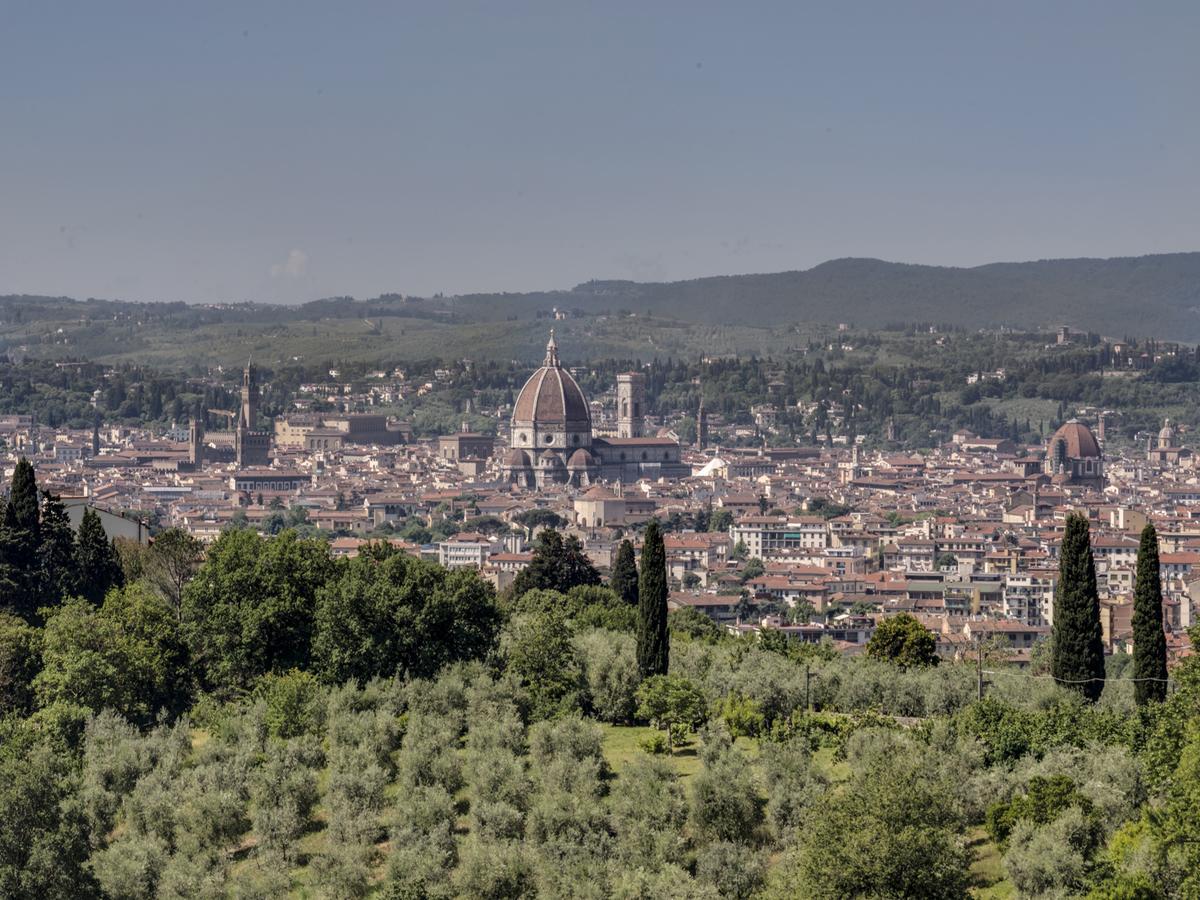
631, 404
250, 397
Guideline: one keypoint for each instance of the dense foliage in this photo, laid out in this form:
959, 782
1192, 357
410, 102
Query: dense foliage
1077, 638
1149, 641
272, 721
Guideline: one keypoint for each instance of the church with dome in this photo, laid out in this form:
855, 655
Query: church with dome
1075, 457
551, 440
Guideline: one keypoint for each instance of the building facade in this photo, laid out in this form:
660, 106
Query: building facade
551, 439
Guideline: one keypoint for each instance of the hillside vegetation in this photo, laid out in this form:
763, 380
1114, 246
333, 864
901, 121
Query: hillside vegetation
1149, 295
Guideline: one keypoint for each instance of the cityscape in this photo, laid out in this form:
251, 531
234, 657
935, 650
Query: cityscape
570, 452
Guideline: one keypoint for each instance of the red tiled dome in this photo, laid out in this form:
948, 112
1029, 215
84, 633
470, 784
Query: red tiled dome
1079, 440
552, 397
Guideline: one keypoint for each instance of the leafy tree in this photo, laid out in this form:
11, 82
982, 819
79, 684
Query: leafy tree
96, 563
721, 520
542, 655
20, 661
724, 798
43, 831
624, 578
1078, 661
652, 634
670, 700
1043, 801
557, 565
171, 562
1054, 859
250, 608
57, 553
127, 656
890, 833
1149, 642
694, 625
610, 673
903, 640
389, 613
753, 569
540, 518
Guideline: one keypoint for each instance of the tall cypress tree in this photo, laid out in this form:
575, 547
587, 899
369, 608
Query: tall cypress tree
652, 640
20, 541
1149, 642
1078, 661
624, 578
57, 553
96, 562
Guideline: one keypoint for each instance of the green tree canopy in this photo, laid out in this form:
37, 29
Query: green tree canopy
171, 562
388, 613
127, 656
903, 640
624, 577
1149, 641
667, 700
97, 566
558, 564
1078, 661
20, 540
57, 553
250, 608
653, 639
542, 654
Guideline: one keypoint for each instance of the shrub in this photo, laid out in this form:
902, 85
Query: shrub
293, 704
655, 742
610, 673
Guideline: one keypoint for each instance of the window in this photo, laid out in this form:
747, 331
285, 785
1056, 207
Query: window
549, 439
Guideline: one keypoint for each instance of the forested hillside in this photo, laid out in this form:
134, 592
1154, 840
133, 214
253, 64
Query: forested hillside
1150, 295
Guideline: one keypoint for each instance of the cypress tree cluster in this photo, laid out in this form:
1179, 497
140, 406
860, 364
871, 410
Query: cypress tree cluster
1149, 642
42, 562
1078, 641
20, 539
624, 578
652, 640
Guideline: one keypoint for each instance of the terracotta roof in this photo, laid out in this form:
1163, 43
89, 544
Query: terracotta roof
1080, 441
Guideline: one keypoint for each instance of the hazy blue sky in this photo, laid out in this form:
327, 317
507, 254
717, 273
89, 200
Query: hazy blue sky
284, 151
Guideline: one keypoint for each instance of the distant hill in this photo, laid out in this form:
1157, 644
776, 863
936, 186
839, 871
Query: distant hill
1156, 296
1146, 296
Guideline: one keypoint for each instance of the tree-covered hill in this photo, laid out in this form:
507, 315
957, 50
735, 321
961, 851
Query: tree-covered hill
1149, 295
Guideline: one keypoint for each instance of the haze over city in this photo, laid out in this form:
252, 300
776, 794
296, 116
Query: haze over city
289, 151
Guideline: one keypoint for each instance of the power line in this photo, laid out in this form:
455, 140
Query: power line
1073, 680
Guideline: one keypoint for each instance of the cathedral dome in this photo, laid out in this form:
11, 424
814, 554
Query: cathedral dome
551, 399
1077, 440
1166, 436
